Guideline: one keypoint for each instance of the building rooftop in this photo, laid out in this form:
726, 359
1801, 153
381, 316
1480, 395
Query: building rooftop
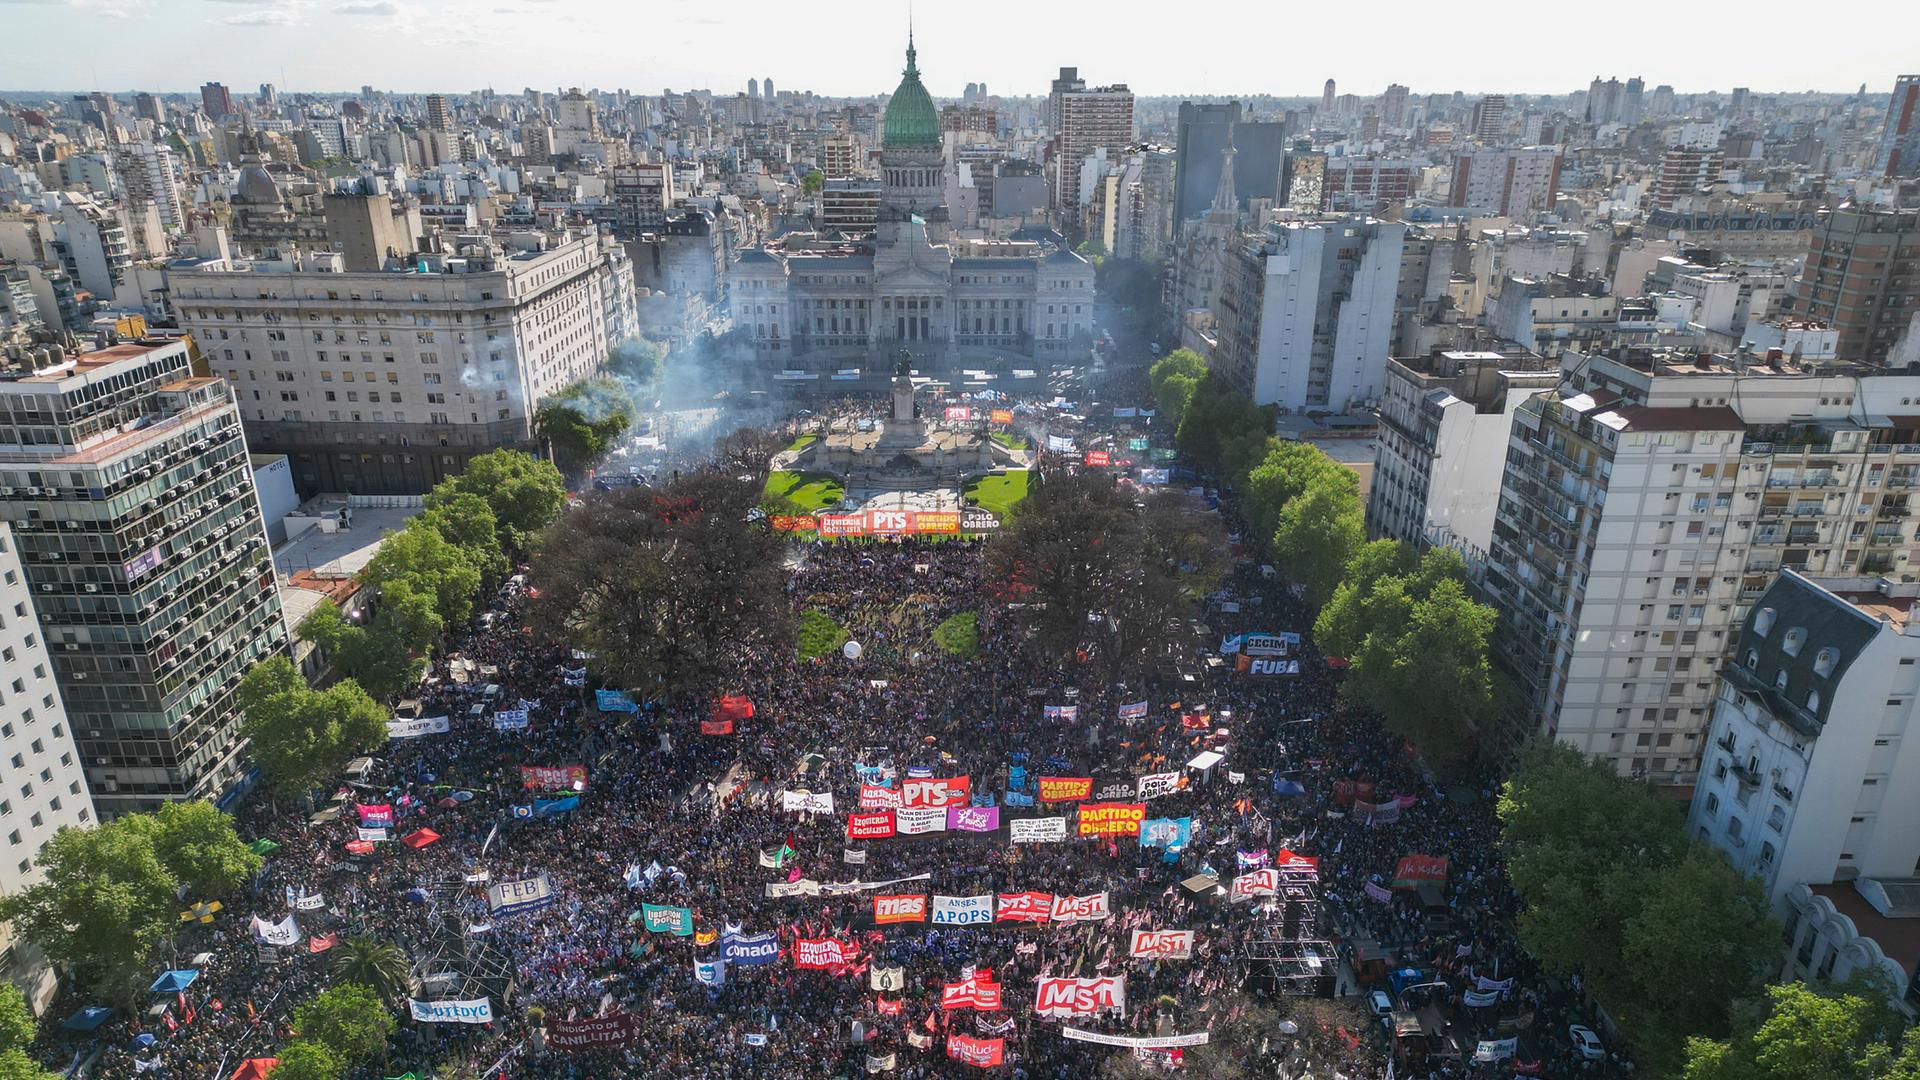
1898, 937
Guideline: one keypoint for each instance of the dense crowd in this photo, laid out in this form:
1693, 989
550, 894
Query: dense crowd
669, 816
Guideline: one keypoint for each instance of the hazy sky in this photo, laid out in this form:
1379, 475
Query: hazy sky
843, 47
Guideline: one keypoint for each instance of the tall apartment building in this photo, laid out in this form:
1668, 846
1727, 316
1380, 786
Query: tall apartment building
1393, 105
1898, 153
42, 786
1811, 783
1862, 277
1068, 81
1091, 119
1366, 185
1490, 118
1519, 184
439, 117
1306, 312
1445, 420
1685, 170
386, 382
850, 206
216, 101
840, 157
1652, 497
126, 482
1204, 129
642, 193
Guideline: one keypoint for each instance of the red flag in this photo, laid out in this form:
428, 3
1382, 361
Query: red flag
172, 1025
932, 1024
888, 1008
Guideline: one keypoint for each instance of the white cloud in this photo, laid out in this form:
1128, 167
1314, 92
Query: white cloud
262, 18
378, 7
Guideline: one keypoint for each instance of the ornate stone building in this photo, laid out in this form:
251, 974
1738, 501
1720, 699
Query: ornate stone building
824, 303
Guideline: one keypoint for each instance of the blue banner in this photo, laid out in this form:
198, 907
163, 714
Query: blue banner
511, 720
749, 948
554, 807
614, 701
1287, 787
1019, 798
710, 972
1174, 834
1017, 777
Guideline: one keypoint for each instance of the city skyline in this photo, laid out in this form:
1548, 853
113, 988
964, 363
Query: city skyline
413, 47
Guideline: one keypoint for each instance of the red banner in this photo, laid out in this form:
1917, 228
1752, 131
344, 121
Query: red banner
1001, 416
1415, 869
899, 909
978, 992
935, 791
877, 826
959, 413
733, 707
1194, 721
793, 523
875, 797
1065, 788
843, 524
822, 953
1033, 907
887, 1008
1287, 858
1098, 459
716, 727
591, 1033
986, 1053
1112, 819
553, 777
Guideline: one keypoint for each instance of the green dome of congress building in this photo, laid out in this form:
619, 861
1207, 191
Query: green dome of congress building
912, 121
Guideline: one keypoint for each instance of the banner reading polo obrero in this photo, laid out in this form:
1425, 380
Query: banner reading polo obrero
962, 910
1081, 997
553, 777
1157, 785
899, 909
468, 1011
1029, 907
1065, 788
1112, 818
1259, 883
1041, 830
1000, 416
935, 791
1068, 909
1161, 945
819, 954
408, 729
507, 897
986, 1053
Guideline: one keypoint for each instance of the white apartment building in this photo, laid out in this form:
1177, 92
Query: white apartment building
1650, 499
1306, 312
1444, 424
1810, 784
387, 382
42, 786
1519, 184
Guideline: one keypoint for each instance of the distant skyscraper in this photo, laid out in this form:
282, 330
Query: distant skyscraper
1202, 131
1899, 153
1326, 98
1632, 104
1490, 118
753, 88
1661, 103
1091, 119
767, 88
269, 97
1393, 106
216, 101
1737, 105
438, 118
147, 107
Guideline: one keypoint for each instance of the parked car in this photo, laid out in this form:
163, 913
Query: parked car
1586, 1043
1380, 1003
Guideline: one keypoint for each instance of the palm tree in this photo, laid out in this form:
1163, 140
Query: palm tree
381, 965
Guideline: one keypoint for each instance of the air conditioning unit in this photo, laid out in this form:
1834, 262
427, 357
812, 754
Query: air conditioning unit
91, 587
73, 646
46, 587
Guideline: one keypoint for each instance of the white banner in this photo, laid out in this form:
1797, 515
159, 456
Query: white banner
813, 802
920, 819
1044, 830
1161, 945
1259, 883
1081, 997
469, 1011
1155, 785
1068, 909
407, 729
504, 897
803, 887
1198, 1038
283, 932
373, 835
309, 903
963, 910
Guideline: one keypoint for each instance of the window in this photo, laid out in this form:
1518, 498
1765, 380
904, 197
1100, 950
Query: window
1796, 637
1824, 660
1712, 805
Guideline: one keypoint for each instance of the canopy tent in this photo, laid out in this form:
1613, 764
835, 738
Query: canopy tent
255, 1068
172, 982
1205, 760
733, 707
142, 1041
420, 838
87, 1019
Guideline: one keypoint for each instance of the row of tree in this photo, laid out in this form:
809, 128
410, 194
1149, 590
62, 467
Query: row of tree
343, 1028
109, 898
424, 579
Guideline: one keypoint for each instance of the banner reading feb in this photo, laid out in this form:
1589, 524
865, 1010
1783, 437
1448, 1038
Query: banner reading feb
1112, 819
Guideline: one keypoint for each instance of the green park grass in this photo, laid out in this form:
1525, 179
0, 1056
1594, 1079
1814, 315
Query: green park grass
807, 492
998, 492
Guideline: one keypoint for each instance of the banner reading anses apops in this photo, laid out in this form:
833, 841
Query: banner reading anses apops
469, 1011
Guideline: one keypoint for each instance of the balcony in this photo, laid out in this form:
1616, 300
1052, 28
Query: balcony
1725, 742
1782, 790
1749, 778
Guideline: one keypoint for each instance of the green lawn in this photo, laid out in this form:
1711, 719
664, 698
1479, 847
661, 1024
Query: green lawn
802, 443
1009, 440
808, 491
998, 492
819, 635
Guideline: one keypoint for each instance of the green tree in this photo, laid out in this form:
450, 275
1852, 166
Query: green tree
304, 1059
16, 1020
525, 492
302, 737
637, 360
1610, 883
818, 635
1842, 1031
582, 421
421, 559
1222, 430
350, 1020
1174, 378
466, 522
370, 962
812, 182
103, 907
1318, 531
384, 653
1345, 620
198, 845
16, 1065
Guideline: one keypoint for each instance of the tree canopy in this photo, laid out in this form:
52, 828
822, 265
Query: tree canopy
1612, 887
582, 421
1095, 573
370, 962
1802, 1031
301, 737
349, 1020
526, 493
1174, 378
304, 1059
661, 582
